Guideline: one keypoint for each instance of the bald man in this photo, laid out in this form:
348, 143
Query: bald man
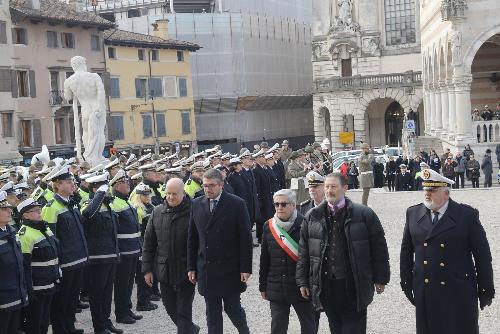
165, 242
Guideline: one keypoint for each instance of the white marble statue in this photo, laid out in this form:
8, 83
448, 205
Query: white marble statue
87, 89
345, 11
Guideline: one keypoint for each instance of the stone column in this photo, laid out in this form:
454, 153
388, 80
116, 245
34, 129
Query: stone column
427, 110
443, 92
432, 111
438, 125
463, 107
452, 115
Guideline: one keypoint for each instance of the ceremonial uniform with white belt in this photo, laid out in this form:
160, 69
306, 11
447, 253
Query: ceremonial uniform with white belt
13, 291
101, 225
41, 265
65, 221
129, 243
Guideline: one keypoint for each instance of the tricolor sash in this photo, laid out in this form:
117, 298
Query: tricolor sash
286, 242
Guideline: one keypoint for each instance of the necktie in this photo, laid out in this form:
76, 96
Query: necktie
436, 218
213, 204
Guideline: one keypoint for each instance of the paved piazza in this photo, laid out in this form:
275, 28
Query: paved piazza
389, 313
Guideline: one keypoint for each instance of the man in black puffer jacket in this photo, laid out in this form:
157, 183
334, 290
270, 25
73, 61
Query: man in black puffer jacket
278, 260
342, 255
165, 242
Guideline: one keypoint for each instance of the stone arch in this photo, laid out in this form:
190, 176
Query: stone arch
323, 124
471, 51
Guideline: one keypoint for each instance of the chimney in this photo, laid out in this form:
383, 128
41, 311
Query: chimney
160, 28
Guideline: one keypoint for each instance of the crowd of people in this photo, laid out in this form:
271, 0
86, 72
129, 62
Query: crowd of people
74, 236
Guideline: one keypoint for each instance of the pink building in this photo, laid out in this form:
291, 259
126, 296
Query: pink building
46, 34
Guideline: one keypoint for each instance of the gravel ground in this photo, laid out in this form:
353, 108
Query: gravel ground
389, 313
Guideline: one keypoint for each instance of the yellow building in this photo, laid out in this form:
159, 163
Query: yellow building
150, 94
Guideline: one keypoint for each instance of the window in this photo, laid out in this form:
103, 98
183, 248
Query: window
5, 80
95, 43
19, 36
3, 32
400, 22
23, 84
52, 39
54, 80
115, 88
140, 54
155, 87
111, 53
59, 130
170, 86
133, 13
7, 125
147, 125
155, 55
116, 131
180, 55
186, 122
140, 87
182, 87
346, 67
26, 136
67, 40
161, 130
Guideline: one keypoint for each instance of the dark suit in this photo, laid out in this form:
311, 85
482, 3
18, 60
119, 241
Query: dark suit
437, 266
279, 169
219, 249
243, 189
254, 209
265, 196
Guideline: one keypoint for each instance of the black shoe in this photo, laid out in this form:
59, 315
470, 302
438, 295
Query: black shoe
106, 331
155, 298
146, 307
82, 305
113, 329
125, 320
76, 331
135, 316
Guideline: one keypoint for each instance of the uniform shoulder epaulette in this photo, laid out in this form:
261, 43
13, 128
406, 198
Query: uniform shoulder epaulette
22, 230
305, 202
49, 203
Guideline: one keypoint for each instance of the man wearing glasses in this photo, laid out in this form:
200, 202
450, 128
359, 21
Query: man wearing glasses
220, 252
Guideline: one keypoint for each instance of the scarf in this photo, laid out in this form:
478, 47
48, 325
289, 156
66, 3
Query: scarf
288, 224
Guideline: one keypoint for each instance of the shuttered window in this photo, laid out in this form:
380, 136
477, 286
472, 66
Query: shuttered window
161, 130
182, 87
147, 125
155, 87
115, 88
3, 32
52, 39
186, 122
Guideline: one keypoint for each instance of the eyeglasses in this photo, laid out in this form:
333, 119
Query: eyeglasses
213, 185
282, 204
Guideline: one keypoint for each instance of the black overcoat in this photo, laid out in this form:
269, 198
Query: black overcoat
437, 262
219, 245
264, 192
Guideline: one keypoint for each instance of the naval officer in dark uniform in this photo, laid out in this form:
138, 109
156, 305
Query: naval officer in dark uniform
316, 186
445, 261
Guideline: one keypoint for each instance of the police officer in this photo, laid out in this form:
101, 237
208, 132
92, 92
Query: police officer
64, 219
404, 180
41, 265
101, 226
193, 184
445, 261
14, 294
129, 243
316, 184
150, 178
113, 167
13, 201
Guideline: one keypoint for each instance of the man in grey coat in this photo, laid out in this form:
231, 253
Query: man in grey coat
366, 180
487, 167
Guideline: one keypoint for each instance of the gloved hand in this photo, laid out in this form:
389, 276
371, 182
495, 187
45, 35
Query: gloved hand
484, 301
103, 188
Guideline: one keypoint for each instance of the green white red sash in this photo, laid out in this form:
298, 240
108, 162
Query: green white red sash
286, 242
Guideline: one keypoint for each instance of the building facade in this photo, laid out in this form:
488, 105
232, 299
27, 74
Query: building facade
461, 60
151, 95
8, 142
367, 69
47, 34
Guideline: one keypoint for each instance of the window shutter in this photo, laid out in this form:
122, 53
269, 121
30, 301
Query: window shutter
37, 133
138, 87
182, 87
24, 36
32, 83
5, 85
13, 83
106, 80
3, 32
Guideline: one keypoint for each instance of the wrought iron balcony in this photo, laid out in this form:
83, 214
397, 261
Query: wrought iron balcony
407, 79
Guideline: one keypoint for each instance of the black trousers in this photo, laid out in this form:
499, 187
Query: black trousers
340, 308
488, 181
10, 321
65, 300
124, 284
280, 315
178, 301
101, 293
37, 314
233, 309
459, 180
259, 229
143, 290
475, 183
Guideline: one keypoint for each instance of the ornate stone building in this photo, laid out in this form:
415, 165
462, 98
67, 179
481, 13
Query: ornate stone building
366, 68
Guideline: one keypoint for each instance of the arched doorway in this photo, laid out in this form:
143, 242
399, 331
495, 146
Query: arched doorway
326, 127
394, 117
